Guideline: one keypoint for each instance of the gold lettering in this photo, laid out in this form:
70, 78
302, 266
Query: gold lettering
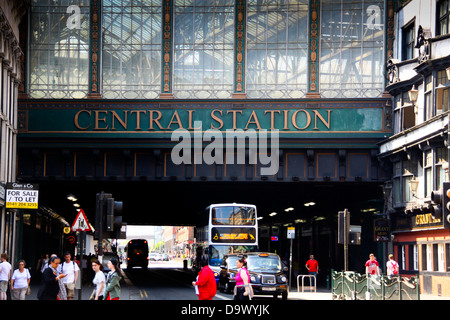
285, 119
138, 118
122, 122
234, 117
190, 120
427, 218
318, 115
256, 121
76, 119
98, 119
219, 120
272, 117
178, 121
155, 120
294, 119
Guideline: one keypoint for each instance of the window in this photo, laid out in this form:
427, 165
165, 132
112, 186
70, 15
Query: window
441, 257
408, 38
428, 172
447, 256
440, 166
416, 257
397, 182
404, 171
429, 108
409, 172
443, 12
203, 49
277, 49
224, 215
442, 92
131, 56
351, 55
404, 115
58, 52
403, 258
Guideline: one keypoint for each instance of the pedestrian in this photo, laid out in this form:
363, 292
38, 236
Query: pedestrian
112, 291
206, 282
243, 289
20, 281
99, 281
313, 268
391, 267
47, 262
372, 266
5, 275
71, 269
52, 287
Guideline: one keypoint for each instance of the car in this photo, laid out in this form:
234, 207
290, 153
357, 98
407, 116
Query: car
152, 256
267, 276
159, 257
165, 257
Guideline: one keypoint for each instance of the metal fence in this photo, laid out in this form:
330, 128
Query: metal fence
354, 286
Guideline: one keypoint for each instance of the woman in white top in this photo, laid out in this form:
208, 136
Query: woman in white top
99, 281
20, 281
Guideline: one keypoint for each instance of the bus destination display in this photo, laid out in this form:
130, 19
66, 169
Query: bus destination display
233, 235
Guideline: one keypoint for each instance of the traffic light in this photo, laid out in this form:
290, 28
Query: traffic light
113, 214
446, 204
108, 217
436, 203
343, 226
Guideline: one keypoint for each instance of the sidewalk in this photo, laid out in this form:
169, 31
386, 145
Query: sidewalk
324, 294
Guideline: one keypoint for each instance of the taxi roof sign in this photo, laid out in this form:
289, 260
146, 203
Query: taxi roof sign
81, 223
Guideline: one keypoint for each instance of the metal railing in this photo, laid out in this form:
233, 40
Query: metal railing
354, 286
312, 282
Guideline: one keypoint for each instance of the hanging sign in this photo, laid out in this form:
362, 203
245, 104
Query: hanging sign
22, 195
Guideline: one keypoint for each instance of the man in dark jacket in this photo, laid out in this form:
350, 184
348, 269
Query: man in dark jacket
50, 281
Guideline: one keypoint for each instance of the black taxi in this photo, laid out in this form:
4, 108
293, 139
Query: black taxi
267, 276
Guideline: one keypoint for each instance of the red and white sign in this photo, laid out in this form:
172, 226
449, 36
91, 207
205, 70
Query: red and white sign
81, 223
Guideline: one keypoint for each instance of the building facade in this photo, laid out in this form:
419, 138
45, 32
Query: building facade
108, 82
419, 82
11, 13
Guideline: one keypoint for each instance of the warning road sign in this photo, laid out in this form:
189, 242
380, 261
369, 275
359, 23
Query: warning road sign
81, 223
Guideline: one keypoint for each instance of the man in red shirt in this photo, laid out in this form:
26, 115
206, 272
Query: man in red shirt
372, 265
313, 267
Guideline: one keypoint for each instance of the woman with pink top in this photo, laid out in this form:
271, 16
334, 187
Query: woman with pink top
242, 289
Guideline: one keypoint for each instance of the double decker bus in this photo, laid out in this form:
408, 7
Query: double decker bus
224, 229
137, 253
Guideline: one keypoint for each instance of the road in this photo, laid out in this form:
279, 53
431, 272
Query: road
165, 280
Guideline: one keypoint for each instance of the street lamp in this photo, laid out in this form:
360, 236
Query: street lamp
413, 95
413, 184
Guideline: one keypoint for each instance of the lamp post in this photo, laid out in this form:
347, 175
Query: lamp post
413, 184
413, 95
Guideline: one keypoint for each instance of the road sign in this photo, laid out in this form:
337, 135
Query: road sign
291, 232
81, 223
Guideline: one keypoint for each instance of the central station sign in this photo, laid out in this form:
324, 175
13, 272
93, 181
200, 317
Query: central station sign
161, 119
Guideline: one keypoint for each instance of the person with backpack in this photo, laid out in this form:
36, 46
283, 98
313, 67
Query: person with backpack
392, 267
71, 269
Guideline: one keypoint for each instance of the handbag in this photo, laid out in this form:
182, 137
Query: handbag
29, 288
